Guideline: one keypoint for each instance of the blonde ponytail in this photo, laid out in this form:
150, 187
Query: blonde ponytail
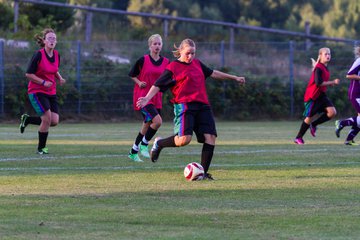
321, 50
184, 43
313, 62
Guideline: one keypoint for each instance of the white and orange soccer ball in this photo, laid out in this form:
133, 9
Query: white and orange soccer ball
194, 171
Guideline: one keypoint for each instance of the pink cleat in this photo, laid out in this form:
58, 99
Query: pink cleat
299, 141
313, 130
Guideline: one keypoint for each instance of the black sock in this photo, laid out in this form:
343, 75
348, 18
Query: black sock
136, 143
150, 133
352, 134
303, 128
349, 122
206, 156
323, 118
33, 120
167, 142
42, 140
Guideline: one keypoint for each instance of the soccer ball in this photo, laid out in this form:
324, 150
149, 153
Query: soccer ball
193, 172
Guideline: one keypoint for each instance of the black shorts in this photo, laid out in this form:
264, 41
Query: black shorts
149, 112
194, 117
319, 105
42, 102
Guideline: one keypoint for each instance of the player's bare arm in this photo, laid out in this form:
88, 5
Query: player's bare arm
221, 75
353, 77
331, 83
138, 82
142, 101
32, 77
60, 78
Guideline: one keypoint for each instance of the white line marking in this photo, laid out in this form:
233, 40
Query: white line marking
236, 152
157, 167
240, 152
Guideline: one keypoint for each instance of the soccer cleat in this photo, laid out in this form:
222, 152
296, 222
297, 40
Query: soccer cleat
299, 141
144, 150
22, 122
313, 130
351, 143
338, 128
208, 176
135, 157
43, 151
155, 150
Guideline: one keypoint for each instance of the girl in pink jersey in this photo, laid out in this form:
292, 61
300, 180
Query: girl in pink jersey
186, 78
315, 99
43, 71
144, 73
354, 96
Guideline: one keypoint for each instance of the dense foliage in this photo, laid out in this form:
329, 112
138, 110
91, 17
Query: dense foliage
336, 18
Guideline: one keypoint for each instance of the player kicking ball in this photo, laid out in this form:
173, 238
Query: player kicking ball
186, 79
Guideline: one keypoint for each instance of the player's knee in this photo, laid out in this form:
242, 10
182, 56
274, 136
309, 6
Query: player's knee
210, 139
331, 113
156, 124
46, 121
307, 120
182, 141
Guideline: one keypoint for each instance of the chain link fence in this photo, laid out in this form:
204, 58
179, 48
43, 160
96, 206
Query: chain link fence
98, 85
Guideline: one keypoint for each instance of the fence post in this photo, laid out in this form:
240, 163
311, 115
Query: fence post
222, 64
291, 77
88, 30
166, 29
232, 40
2, 80
16, 15
78, 76
307, 32
222, 53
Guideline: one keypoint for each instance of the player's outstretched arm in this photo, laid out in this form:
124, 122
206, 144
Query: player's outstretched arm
142, 101
330, 83
223, 76
353, 77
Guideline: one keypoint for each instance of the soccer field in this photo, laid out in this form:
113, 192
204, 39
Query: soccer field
266, 187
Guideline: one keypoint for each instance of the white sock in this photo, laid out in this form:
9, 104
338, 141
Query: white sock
135, 147
145, 141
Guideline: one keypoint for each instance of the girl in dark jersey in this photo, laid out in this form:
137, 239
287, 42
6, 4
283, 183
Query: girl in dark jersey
144, 73
315, 99
354, 96
42, 73
186, 78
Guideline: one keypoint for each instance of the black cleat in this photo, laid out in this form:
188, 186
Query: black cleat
208, 176
155, 150
23, 122
338, 128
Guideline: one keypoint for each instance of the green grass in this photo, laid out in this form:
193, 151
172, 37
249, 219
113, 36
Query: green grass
266, 187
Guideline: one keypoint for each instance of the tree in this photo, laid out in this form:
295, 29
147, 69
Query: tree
147, 6
343, 19
6, 16
41, 15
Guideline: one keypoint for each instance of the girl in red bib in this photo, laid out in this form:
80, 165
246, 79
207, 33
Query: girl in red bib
42, 72
315, 100
144, 73
186, 78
